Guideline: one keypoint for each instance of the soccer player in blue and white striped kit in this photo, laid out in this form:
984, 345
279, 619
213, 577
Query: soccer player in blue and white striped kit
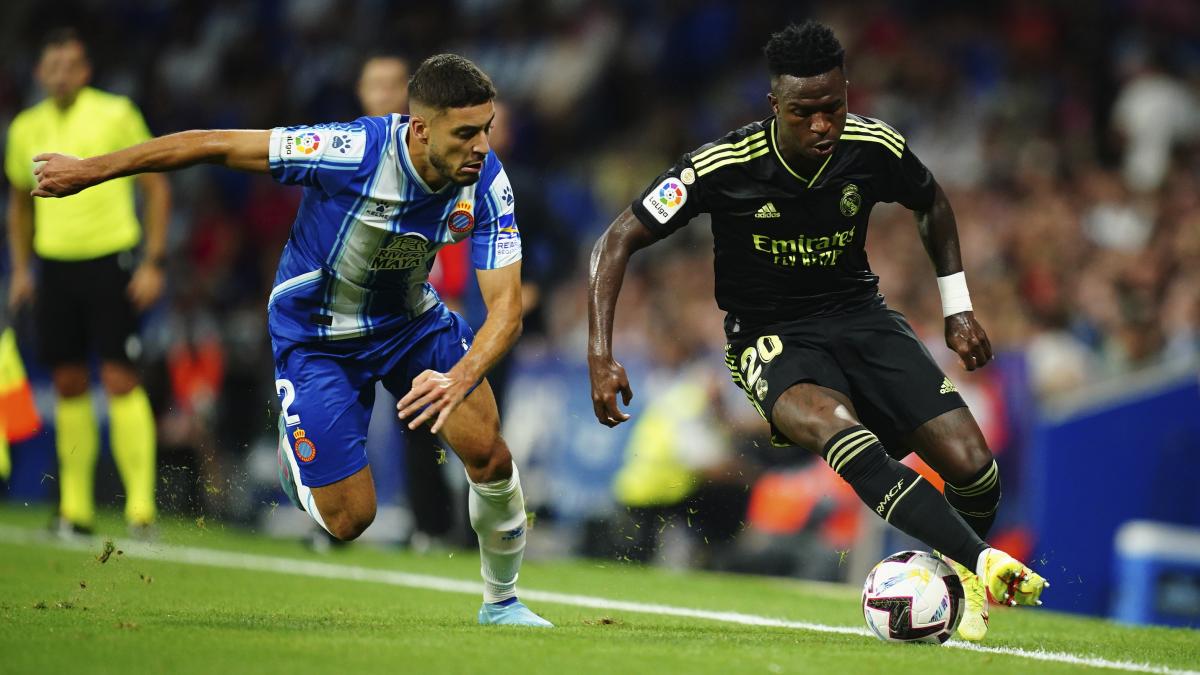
352, 304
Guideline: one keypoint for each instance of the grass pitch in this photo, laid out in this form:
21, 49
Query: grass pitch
204, 599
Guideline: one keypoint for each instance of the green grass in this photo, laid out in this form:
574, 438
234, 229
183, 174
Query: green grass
63, 611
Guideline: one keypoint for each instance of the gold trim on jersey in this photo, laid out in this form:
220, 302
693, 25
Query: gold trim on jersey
713, 159
736, 160
696, 158
808, 181
873, 139
874, 132
876, 126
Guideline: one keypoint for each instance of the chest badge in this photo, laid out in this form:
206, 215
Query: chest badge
851, 200
462, 218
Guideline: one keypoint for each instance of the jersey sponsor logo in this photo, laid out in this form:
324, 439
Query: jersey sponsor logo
948, 387
402, 252
379, 208
851, 200
767, 210
804, 251
665, 200
462, 218
306, 451
508, 239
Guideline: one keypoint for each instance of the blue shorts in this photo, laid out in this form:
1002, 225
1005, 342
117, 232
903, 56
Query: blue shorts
327, 389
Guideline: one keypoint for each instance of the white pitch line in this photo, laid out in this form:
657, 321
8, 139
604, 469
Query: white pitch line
207, 557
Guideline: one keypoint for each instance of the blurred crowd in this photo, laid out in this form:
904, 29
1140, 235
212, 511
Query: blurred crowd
1066, 134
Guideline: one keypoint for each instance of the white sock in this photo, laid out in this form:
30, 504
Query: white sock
497, 512
302, 490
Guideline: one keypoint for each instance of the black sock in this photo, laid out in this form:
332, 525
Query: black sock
977, 499
900, 495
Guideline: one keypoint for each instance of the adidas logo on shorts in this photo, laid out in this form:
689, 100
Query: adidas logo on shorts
947, 386
767, 210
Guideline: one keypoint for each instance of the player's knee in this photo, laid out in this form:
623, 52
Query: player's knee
118, 378
349, 524
70, 381
967, 457
493, 465
810, 421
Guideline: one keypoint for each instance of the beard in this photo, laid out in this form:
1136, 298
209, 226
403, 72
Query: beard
450, 173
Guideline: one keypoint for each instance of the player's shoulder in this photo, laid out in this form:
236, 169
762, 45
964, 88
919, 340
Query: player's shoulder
494, 183
739, 147
873, 133
98, 101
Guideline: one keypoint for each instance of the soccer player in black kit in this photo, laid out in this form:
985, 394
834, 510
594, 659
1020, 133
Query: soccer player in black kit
810, 340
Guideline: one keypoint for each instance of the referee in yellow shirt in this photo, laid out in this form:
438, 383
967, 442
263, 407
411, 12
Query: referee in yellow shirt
87, 292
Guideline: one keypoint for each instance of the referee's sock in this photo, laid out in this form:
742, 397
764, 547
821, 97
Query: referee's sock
977, 499
900, 495
78, 445
5, 461
131, 423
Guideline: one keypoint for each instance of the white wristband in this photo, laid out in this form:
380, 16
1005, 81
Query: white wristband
955, 297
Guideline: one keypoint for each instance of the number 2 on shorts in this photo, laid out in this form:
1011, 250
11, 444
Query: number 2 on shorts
288, 392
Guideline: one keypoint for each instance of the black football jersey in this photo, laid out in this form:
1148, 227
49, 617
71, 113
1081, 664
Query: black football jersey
789, 246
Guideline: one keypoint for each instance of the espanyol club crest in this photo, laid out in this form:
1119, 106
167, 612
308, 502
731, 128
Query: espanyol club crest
462, 218
305, 450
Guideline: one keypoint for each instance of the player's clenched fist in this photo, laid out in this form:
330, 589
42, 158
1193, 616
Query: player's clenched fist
608, 377
60, 175
967, 338
438, 393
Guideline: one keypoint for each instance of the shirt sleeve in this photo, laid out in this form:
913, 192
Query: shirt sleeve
496, 241
671, 201
18, 162
324, 156
908, 181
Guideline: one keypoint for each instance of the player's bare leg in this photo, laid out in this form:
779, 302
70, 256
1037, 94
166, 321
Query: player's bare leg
346, 508
823, 420
496, 505
953, 445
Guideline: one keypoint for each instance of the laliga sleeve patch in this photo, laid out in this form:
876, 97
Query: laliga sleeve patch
664, 201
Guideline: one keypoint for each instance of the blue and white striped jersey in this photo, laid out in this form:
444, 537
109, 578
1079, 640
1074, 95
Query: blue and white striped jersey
368, 227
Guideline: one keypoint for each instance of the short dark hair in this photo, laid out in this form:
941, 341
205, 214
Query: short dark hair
62, 35
804, 50
450, 81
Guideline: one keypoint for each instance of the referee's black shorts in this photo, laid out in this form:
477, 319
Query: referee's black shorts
872, 356
82, 308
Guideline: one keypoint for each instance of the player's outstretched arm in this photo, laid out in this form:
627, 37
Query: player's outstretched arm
606, 272
440, 393
939, 234
62, 175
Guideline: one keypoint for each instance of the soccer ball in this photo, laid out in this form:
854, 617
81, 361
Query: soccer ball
913, 596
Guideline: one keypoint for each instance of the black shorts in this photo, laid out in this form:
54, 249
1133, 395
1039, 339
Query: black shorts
871, 356
82, 309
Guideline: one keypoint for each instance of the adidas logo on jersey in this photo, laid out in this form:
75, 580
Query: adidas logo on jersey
947, 386
768, 210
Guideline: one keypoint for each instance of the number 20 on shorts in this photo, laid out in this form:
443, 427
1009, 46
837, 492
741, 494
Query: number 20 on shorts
767, 348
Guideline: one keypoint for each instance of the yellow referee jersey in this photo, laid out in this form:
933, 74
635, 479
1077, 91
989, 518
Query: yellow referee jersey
102, 219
